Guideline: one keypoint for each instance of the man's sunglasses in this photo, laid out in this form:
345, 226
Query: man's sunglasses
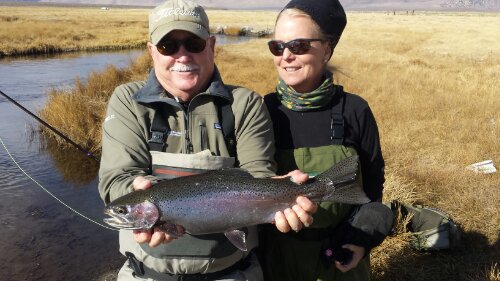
296, 46
168, 47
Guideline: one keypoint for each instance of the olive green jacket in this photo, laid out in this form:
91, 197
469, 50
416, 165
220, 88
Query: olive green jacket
126, 130
192, 128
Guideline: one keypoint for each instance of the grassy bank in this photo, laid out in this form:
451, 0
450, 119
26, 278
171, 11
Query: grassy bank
432, 81
44, 29
52, 29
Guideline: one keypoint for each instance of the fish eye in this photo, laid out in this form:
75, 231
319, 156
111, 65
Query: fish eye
121, 210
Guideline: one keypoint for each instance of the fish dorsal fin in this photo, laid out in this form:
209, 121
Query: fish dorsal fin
237, 238
232, 172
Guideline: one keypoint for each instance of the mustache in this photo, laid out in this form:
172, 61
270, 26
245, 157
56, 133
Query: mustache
184, 67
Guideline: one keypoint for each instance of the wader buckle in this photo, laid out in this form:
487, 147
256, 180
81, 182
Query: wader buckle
135, 265
157, 137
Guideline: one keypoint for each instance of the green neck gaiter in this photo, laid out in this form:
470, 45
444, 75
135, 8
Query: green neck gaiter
306, 101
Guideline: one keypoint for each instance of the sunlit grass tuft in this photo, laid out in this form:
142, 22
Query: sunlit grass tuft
78, 112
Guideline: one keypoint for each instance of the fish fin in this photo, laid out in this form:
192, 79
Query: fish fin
237, 238
232, 172
170, 228
343, 183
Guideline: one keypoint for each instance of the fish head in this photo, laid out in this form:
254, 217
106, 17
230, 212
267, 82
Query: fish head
132, 216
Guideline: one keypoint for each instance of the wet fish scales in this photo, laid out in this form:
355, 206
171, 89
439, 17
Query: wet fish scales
219, 201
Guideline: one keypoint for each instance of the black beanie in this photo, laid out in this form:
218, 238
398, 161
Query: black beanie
328, 14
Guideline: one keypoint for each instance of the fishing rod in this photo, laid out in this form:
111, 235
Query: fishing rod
88, 153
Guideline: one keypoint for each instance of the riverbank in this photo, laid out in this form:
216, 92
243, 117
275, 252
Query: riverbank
43, 29
433, 88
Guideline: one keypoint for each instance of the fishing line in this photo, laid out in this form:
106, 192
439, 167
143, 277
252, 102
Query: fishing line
88, 153
59, 200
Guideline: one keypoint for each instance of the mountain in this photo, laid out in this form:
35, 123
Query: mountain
373, 5
222, 4
391, 5
465, 4
421, 4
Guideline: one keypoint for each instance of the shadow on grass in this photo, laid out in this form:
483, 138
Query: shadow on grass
474, 259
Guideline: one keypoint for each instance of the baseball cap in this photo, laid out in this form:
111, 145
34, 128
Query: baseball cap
177, 15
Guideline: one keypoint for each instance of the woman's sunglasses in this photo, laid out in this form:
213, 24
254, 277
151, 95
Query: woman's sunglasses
168, 47
296, 46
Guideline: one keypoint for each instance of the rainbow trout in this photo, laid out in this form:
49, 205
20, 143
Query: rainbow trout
223, 201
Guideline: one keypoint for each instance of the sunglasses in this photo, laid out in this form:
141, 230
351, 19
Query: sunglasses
168, 47
296, 46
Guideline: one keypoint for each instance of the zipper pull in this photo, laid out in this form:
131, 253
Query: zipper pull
188, 142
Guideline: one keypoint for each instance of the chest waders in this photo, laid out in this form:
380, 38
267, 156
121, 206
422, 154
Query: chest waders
299, 256
212, 255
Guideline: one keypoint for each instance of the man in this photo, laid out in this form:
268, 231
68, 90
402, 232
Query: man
184, 120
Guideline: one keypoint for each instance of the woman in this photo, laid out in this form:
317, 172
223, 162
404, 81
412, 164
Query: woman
316, 125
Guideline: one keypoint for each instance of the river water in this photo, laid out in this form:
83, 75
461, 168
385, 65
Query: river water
40, 238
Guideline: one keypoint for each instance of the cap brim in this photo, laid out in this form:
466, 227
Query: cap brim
191, 27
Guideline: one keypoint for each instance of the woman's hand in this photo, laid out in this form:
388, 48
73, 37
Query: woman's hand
358, 253
300, 214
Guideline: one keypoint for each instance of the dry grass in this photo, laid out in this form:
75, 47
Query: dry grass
433, 88
258, 20
233, 31
53, 29
79, 112
46, 29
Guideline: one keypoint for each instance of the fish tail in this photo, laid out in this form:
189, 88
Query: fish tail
343, 183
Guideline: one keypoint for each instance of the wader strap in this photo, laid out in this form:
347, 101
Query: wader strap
134, 264
140, 270
337, 119
226, 116
159, 129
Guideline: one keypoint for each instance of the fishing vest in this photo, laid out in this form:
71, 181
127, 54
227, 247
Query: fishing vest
303, 250
316, 160
189, 254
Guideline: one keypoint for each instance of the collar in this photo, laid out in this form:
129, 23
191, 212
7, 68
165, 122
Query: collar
153, 91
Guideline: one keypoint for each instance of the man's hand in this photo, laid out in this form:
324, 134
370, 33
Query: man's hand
357, 254
155, 236
300, 214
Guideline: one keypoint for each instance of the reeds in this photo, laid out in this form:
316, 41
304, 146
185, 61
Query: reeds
432, 81
79, 112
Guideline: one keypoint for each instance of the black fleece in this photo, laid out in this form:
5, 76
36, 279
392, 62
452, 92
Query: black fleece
294, 129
